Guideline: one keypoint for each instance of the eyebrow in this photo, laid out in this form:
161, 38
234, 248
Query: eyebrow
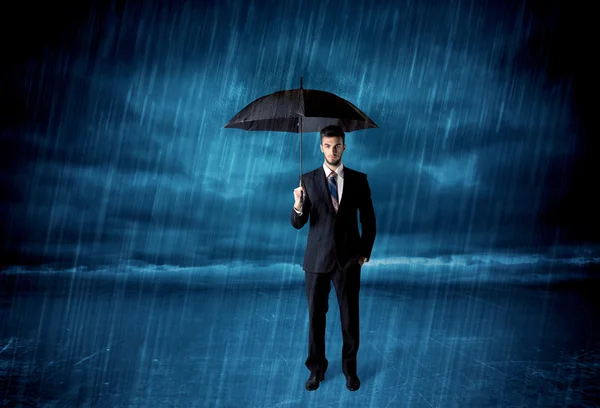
337, 144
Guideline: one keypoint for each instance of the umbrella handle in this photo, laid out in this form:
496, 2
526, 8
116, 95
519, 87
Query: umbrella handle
301, 192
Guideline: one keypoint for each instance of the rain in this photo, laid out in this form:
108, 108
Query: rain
148, 259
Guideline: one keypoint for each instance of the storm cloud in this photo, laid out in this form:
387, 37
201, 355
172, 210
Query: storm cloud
117, 152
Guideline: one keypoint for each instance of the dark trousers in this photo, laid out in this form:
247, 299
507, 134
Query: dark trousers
347, 287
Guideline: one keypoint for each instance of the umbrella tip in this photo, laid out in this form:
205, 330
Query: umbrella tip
300, 82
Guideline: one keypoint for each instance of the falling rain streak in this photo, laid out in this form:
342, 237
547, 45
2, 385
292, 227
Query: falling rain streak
147, 254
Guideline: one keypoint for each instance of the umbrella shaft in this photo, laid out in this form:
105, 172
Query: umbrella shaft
301, 192
301, 148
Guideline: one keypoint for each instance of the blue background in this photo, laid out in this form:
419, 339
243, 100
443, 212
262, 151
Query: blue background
147, 257
113, 147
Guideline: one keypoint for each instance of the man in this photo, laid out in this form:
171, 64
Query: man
335, 251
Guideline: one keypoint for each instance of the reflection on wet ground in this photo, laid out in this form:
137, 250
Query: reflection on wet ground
71, 340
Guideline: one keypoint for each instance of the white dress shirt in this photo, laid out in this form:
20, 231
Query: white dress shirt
340, 181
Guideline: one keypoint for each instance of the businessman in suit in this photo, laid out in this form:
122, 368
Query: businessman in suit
330, 197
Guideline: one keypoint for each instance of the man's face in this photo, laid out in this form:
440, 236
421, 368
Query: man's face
333, 147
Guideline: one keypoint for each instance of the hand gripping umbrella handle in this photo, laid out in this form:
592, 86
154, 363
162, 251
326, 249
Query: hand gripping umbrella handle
301, 192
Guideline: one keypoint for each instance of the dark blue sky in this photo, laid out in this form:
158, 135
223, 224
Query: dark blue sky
113, 147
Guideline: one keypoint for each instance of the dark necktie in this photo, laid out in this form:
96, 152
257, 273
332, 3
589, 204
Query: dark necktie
333, 190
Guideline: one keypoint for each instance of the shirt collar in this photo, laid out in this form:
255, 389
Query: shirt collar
339, 170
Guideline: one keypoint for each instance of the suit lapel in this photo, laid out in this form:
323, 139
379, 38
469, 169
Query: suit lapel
347, 186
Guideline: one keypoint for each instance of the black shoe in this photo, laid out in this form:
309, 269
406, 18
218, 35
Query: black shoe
313, 381
352, 382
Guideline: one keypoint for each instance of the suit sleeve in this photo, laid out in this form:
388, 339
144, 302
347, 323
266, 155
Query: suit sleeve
367, 221
298, 221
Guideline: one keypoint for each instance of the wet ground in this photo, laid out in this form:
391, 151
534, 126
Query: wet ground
184, 340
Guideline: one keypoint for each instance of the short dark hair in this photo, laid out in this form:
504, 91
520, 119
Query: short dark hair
333, 130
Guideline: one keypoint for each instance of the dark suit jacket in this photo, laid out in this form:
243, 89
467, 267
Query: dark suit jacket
335, 237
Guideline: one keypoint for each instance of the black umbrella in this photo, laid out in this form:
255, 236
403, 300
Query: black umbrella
300, 110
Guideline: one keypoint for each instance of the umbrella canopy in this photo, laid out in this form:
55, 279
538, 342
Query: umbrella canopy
300, 110
281, 111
